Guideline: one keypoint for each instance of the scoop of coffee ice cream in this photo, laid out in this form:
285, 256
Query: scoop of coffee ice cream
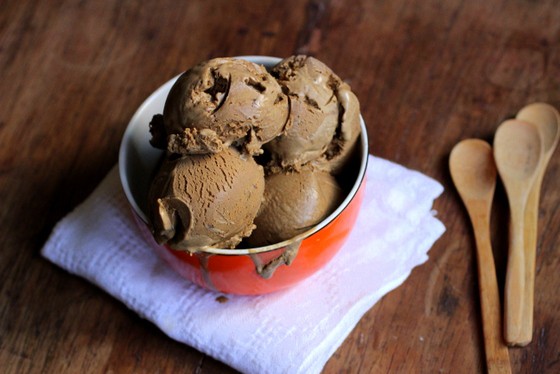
218, 103
201, 201
293, 203
347, 133
323, 124
210, 191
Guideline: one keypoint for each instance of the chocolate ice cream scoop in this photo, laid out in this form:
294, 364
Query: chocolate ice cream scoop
293, 203
324, 115
202, 201
218, 103
347, 133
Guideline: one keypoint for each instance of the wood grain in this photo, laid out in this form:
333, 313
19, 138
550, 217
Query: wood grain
427, 73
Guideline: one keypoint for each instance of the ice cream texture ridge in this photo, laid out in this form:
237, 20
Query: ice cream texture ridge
251, 157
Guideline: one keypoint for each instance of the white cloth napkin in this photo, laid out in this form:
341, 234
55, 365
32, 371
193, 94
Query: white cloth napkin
293, 331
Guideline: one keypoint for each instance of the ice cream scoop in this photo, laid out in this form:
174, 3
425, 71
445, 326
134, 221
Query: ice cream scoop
348, 130
218, 103
202, 201
293, 203
324, 121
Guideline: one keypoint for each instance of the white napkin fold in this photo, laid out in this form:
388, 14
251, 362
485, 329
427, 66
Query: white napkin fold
292, 331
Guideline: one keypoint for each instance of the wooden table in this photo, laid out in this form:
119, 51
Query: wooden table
427, 73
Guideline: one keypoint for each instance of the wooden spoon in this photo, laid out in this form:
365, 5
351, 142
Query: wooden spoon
517, 152
547, 120
474, 173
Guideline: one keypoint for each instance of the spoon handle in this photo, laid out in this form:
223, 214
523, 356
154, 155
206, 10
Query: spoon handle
497, 356
530, 251
515, 277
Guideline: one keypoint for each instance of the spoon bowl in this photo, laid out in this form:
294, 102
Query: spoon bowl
546, 118
473, 170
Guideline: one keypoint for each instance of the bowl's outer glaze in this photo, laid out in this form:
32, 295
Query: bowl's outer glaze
238, 274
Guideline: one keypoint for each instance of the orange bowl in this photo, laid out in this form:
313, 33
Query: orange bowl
248, 271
